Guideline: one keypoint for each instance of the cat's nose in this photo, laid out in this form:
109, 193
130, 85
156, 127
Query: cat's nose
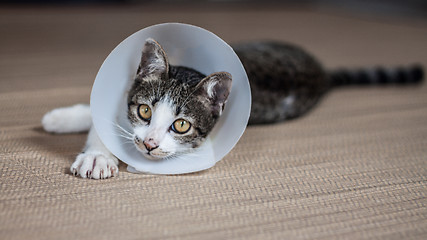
150, 144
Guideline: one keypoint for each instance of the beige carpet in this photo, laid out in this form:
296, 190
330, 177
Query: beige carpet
354, 168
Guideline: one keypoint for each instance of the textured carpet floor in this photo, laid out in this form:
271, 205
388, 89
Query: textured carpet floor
354, 168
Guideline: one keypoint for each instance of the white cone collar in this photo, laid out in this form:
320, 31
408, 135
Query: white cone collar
185, 45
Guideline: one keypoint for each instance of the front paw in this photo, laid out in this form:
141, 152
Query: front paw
95, 165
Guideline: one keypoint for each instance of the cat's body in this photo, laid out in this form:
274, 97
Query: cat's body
172, 109
286, 81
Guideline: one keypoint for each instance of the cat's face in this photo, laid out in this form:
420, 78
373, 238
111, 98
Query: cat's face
173, 109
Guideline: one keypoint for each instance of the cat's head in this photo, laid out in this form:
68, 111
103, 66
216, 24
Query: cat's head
173, 109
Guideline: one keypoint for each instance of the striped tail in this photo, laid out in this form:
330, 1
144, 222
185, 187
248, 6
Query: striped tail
377, 76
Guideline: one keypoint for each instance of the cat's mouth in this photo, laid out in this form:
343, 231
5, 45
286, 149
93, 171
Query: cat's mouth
155, 154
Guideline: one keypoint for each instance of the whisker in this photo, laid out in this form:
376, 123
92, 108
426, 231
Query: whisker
186, 99
124, 133
127, 143
184, 156
123, 130
125, 137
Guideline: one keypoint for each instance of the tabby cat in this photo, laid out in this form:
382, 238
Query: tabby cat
172, 109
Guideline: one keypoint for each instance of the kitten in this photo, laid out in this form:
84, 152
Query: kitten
172, 109
286, 82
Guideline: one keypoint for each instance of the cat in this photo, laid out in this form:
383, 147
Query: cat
172, 109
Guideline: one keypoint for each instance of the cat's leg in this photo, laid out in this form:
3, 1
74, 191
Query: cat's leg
71, 119
95, 161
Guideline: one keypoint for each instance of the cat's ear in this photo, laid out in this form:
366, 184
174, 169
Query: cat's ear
214, 90
153, 61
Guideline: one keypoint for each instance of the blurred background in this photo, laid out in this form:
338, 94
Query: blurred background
384, 7
65, 42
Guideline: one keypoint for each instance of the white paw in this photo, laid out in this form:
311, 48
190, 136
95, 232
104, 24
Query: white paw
95, 165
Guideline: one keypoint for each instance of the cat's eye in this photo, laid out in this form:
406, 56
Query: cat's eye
144, 112
181, 126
